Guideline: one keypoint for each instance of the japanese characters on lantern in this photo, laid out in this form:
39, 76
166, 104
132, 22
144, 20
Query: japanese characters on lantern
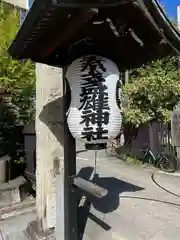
94, 115
94, 99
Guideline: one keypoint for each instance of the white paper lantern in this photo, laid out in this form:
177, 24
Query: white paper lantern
94, 115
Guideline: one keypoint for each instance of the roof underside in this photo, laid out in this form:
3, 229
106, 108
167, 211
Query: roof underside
130, 33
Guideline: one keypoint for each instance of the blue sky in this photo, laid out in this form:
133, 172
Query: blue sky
171, 7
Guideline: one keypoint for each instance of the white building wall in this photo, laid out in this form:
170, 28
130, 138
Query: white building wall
25, 4
19, 3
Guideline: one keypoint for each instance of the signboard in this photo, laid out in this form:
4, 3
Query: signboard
175, 118
175, 127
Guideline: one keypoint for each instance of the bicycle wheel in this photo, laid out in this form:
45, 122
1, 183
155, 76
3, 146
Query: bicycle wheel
110, 151
168, 163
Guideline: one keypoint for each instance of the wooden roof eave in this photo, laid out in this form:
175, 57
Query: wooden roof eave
150, 9
161, 22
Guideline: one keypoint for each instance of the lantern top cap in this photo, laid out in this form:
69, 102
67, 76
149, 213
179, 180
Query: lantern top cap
131, 33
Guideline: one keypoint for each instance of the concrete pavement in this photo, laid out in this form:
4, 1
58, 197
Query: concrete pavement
136, 208
12, 228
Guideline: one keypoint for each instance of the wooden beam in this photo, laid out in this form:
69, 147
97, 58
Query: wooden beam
90, 187
70, 30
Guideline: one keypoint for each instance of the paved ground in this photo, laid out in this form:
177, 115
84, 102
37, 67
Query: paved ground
12, 229
142, 203
136, 208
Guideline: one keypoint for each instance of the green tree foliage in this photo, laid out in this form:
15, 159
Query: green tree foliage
16, 78
152, 92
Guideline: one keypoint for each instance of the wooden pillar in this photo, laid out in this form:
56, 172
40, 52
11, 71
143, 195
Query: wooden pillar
50, 141
67, 205
70, 191
178, 107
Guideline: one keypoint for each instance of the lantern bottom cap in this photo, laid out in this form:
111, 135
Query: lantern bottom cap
95, 146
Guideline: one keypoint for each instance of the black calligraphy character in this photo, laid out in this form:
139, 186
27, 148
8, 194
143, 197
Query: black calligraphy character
94, 100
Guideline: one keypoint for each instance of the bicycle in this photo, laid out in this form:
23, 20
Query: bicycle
164, 161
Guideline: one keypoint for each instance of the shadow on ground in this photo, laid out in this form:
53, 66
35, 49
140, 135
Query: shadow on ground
104, 205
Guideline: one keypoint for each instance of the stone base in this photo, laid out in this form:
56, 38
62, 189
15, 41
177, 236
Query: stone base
10, 192
34, 232
9, 197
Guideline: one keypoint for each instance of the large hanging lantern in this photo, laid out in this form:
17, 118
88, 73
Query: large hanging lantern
94, 114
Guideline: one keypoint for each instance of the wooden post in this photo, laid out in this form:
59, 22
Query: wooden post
178, 107
50, 137
126, 76
67, 207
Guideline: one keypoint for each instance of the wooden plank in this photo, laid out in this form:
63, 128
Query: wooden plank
90, 187
30, 176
